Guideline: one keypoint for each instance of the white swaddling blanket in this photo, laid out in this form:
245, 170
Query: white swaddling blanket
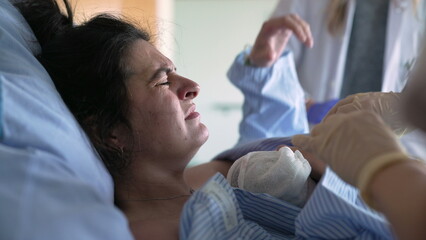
282, 174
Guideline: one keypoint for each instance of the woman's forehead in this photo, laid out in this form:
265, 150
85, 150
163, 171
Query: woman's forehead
144, 58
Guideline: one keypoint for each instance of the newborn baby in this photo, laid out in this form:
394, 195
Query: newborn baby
282, 174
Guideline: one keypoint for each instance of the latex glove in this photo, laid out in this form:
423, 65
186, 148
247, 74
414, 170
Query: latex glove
386, 105
355, 145
273, 38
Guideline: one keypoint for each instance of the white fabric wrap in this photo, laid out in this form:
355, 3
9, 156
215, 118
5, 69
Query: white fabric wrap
282, 174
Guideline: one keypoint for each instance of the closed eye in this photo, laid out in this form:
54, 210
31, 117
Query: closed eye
159, 73
164, 83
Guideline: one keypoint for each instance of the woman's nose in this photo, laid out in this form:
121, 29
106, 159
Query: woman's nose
188, 90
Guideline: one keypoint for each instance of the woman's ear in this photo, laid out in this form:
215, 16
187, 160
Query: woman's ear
118, 137
113, 141
98, 135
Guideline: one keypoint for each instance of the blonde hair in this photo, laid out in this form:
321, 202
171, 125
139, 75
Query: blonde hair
338, 10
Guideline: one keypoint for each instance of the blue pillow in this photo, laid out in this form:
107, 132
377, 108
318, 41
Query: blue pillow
52, 183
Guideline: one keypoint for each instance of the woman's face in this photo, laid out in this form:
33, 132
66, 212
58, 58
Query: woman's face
162, 112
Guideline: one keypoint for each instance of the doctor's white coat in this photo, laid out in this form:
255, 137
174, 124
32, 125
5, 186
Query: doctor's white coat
321, 68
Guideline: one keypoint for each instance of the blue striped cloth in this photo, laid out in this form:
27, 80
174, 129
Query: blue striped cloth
334, 211
217, 211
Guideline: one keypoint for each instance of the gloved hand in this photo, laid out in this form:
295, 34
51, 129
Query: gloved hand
355, 145
386, 105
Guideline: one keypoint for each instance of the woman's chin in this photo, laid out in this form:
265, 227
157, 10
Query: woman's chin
204, 136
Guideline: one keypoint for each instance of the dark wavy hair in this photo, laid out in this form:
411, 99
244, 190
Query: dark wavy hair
87, 63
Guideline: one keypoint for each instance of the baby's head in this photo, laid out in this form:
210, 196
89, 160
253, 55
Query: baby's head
282, 174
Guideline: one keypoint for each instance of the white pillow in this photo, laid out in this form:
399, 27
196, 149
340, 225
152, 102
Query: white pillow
52, 183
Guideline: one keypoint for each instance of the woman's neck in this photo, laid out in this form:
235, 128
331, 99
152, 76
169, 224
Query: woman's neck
151, 191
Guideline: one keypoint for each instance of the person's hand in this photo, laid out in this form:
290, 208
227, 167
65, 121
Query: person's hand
350, 143
273, 38
386, 105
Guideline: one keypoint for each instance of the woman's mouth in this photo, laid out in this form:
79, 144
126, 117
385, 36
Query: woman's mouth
192, 113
